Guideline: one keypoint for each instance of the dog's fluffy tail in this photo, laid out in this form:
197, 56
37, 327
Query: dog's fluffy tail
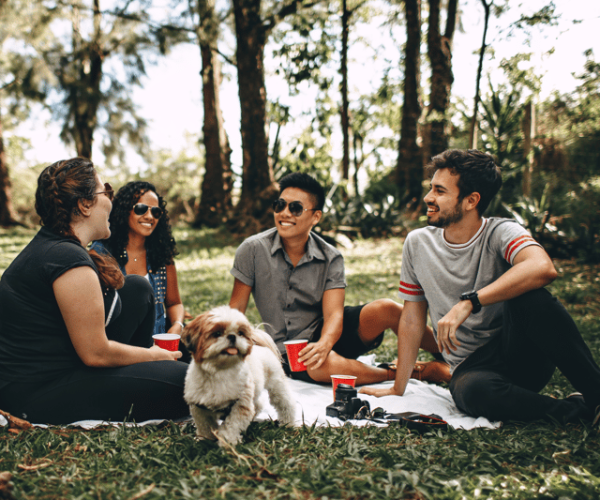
263, 339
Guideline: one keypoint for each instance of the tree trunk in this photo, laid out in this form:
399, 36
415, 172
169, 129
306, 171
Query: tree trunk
528, 135
440, 56
257, 171
85, 97
473, 126
409, 168
216, 183
344, 91
7, 213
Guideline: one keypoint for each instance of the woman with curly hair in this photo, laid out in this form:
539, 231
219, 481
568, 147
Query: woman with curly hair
75, 335
142, 243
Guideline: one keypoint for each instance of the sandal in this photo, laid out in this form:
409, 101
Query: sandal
391, 368
431, 371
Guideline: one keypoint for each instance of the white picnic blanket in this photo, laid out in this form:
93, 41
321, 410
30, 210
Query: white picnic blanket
312, 400
420, 397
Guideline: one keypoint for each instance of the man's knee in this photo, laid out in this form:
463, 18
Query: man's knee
534, 301
385, 312
324, 372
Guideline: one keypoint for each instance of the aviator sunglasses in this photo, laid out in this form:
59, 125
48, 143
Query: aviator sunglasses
108, 191
142, 208
296, 208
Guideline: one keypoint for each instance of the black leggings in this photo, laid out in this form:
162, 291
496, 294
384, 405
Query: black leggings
143, 391
501, 380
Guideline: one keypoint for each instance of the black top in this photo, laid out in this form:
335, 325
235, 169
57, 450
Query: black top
34, 342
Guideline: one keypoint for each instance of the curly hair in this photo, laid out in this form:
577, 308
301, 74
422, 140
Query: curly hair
60, 187
160, 245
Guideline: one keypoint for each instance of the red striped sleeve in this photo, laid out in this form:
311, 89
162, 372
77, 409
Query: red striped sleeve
409, 289
516, 243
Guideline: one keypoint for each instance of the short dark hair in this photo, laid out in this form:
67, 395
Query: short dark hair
477, 173
306, 183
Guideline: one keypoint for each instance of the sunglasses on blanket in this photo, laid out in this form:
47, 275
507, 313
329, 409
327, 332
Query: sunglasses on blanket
296, 208
142, 208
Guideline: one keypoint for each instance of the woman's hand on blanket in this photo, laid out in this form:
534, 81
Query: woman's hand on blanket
315, 354
379, 392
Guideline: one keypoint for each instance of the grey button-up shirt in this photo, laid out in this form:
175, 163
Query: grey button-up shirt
289, 300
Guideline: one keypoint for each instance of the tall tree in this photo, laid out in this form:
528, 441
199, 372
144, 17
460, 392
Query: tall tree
252, 30
409, 168
215, 197
439, 48
96, 94
473, 126
344, 111
22, 79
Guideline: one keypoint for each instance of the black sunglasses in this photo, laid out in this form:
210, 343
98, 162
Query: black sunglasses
142, 208
296, 208
108, 191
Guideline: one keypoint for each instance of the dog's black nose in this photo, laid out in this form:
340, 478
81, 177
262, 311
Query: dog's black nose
231, 339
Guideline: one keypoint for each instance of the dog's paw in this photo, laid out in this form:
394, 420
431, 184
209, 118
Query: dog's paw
228, 438
204, 437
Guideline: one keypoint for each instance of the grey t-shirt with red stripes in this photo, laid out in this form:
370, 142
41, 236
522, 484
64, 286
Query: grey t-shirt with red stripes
439, 272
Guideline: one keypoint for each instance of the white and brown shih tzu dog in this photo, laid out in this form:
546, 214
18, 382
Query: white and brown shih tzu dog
232, 363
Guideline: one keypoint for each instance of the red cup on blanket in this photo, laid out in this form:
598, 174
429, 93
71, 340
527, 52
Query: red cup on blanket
168, 341
293, 348
342, 379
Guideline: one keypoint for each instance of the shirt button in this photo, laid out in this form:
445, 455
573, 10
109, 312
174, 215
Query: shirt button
288, 306
289, 323
290, 287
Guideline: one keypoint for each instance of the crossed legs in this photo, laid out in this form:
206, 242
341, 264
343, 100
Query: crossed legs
375, 318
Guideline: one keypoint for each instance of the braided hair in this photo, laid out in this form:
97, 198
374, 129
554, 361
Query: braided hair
60, 187
160, 245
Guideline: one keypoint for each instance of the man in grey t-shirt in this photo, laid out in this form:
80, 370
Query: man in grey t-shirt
482, 280
298, 283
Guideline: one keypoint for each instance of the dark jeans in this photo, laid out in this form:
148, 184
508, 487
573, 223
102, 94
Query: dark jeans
143, 391
501, 380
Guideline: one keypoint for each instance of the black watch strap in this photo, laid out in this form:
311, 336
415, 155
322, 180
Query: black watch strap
472, 296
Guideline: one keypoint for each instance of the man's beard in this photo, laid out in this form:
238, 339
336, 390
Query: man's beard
447, 219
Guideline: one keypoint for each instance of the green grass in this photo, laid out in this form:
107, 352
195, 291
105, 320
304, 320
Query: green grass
518, 461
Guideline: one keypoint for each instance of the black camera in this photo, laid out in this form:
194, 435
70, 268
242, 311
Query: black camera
346, 404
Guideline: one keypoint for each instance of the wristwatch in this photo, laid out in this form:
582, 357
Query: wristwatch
472, 296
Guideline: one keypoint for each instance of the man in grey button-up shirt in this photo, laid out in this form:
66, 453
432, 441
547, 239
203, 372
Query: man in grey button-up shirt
297, 280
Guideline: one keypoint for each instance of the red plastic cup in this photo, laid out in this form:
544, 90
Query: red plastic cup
168, 341
293, 348
342, 379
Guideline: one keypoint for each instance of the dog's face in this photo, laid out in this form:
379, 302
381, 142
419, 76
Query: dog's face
222, 336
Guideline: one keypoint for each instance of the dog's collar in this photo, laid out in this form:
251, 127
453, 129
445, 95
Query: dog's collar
225, 409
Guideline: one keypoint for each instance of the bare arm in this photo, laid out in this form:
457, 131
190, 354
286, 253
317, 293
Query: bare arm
410, 334
532, 269
315, 354
173, 305
79, 298
240, 295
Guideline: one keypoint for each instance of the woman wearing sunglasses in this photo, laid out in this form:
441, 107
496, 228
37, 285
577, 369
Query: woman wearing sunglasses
75, 335
142, 243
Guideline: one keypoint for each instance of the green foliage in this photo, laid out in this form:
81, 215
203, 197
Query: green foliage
517, 461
